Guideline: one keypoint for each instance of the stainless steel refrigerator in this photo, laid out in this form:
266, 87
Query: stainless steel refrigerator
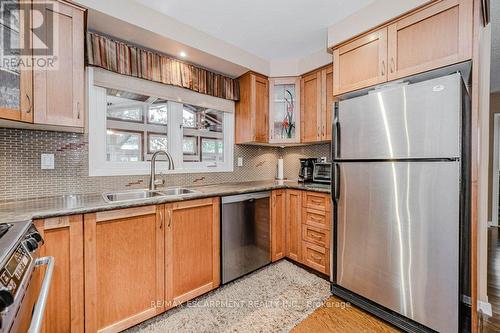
399, 196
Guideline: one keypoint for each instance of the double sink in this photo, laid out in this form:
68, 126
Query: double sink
132, 195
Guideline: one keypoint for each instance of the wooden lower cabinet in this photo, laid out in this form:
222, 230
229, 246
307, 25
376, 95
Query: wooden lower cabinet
124, 267
63, 239
192, 249
278, 225
293, 227
316, 257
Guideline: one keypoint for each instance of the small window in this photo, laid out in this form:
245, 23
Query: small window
189, 145
123, 146
158, 113
212, 150
204, 126
188, 118
157, 142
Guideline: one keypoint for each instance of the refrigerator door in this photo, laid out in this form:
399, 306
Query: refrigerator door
420, 120
398, 237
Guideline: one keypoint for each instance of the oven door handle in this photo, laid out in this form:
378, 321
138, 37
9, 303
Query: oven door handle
36, 320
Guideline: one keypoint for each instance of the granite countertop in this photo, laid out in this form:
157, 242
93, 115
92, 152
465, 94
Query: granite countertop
88, 203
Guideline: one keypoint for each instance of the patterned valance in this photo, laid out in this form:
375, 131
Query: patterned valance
119, 57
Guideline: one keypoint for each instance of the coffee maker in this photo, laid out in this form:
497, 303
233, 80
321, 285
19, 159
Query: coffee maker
306, 169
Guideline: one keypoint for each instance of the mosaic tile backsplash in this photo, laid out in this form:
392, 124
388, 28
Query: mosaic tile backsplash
21, 176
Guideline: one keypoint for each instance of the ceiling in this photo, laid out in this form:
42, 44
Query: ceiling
495, 46
270, 29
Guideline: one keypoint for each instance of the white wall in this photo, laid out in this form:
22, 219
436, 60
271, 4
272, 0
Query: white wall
374, 14
484, 119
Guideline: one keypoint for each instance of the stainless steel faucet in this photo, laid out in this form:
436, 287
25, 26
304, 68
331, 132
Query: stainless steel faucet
152, 180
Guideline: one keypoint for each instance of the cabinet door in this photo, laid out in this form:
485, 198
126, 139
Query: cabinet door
310, 90
59, 91
278, 225
433, 37
360, 63
192, 249
316, 257
252, 110
327, 113
293, 228
284, 110
63, 239
16, 81
261, 108
124, 267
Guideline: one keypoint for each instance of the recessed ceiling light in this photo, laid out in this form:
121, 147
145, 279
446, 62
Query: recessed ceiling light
183, 54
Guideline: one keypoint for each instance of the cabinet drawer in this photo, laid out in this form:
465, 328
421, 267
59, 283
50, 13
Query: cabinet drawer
316, 257
316, 201
316, 218
315, 235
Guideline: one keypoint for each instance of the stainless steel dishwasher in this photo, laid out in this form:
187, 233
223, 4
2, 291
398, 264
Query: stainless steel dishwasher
245, 234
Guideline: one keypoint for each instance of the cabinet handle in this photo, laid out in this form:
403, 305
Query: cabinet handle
316, 258
161, 220
319, 131
78, 110
29, 103
383, 68
392, 65
169, 217
323, 131
316, 219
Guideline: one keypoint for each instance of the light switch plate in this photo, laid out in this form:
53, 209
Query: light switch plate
47, 161
240, 161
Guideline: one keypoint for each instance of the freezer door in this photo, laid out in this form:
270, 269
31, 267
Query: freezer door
420, 120
398, 238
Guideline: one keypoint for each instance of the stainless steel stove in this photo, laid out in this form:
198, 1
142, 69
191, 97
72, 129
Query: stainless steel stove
22, 296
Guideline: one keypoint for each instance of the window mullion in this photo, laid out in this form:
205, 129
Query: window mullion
175, 133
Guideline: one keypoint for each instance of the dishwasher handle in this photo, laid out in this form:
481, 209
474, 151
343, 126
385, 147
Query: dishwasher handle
38, 312
245, 197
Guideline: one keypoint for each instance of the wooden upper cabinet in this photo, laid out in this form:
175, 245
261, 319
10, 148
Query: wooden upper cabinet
252, 110
278, 225
16, 82
59, 90
360, 63
317, 105
63, 239
436, 36
310, 90
124, 267
192, 249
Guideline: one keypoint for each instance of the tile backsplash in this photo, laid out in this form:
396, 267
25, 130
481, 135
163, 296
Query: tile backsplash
21, 175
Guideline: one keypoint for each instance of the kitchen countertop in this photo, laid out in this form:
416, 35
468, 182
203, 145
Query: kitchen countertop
89, 203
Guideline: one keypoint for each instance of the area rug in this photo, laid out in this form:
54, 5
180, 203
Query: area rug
272, 299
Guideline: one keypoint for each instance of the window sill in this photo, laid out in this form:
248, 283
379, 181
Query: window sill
161, 168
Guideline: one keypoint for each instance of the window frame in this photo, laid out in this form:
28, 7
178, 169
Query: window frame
97, 82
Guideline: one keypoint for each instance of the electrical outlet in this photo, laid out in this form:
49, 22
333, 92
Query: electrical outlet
240, 161
47, 161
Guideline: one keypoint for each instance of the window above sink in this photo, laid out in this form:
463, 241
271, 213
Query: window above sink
130, 119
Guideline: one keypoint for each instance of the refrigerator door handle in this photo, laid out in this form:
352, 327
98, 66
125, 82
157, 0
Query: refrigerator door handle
336, 132
336, 190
